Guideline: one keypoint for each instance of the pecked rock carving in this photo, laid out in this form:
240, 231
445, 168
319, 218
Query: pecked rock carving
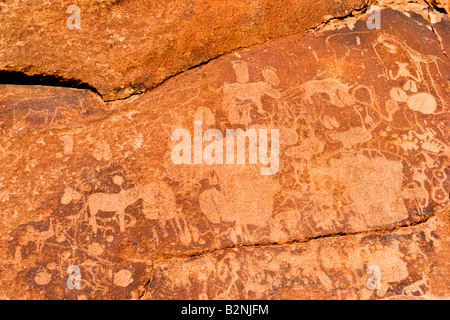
362, 180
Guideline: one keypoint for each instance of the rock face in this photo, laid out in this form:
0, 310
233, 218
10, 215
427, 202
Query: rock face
441, 4
341, 191
329, 268
129, 46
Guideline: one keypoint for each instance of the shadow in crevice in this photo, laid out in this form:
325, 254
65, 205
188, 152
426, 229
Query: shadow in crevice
20, 78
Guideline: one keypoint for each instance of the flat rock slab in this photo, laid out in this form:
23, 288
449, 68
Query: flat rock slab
407, 262
363, 163
124, 47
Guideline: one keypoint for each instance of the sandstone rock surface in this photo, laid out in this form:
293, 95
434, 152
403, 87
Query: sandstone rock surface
129, 46
362, 179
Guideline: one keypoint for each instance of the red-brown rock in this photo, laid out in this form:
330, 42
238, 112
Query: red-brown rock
362, 180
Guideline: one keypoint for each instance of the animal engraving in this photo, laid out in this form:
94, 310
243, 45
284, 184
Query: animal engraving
112, 202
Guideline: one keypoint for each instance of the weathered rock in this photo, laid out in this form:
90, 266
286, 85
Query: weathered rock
331, 268
28, 108
441, 4
363, 158
124, 47
441, 26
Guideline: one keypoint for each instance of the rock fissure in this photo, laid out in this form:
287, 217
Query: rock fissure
21, 78
435, 33
296, 241
382, 231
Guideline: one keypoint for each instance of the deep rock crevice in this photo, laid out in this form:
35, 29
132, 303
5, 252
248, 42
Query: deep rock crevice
23, 79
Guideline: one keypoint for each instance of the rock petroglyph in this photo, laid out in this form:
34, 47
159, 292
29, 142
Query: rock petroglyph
361, 185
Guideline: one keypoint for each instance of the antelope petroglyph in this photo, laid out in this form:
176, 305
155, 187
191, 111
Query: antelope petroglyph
156, 195
112, 202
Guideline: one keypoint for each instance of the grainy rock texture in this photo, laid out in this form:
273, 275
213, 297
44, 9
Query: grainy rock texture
362, 181
124, 47
441, 4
